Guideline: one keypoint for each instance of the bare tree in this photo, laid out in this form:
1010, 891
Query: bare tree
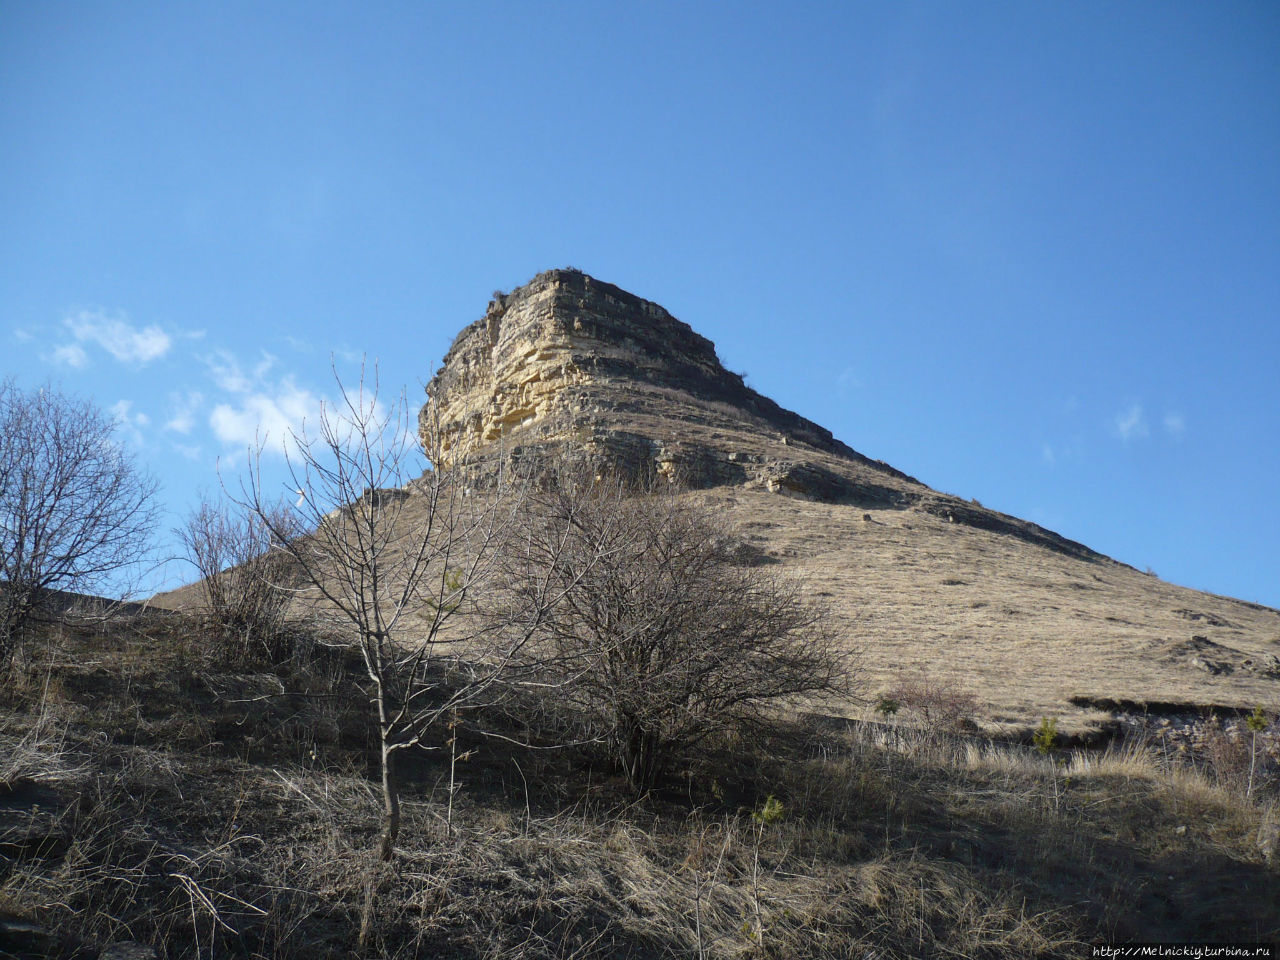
664, 634
396, 558
76, 511
245, 576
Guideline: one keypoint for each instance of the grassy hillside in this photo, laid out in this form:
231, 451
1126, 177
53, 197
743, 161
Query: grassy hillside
1029, 631
1024, 628
150, 794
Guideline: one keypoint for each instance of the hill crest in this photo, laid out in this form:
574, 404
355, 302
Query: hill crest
569, 361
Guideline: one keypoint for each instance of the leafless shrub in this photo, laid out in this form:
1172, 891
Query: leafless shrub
937, 704
246, 577
1227, 754
661, 636
75, 510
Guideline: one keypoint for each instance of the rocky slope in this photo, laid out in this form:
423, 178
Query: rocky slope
567, 360
1033, 623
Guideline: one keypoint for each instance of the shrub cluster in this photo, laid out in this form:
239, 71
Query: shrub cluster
246, 579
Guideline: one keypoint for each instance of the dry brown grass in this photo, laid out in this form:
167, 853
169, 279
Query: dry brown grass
240, 838
1022, 627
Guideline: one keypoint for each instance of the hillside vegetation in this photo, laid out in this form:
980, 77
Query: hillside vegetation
541, 704
151, 794
1029, 632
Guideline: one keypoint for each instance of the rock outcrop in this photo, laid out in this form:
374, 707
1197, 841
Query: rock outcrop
567, 362
567, 359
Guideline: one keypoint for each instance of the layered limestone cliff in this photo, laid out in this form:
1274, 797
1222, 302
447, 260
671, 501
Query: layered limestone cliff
569, 359
569, 363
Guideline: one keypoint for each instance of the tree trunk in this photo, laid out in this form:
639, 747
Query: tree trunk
640, 753
390, 801
15, 608
1253, 760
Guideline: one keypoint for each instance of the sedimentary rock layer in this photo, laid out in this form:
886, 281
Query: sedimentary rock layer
567, 361
568, 358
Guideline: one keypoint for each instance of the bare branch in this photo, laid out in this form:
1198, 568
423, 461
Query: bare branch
655, 631
76, 512
398, 559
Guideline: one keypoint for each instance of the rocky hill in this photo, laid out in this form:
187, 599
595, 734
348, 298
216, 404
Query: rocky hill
567, 360
164, 796
1032, 622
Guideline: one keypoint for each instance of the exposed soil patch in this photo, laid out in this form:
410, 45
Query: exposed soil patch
1160, 708
1208, 619
1217, 659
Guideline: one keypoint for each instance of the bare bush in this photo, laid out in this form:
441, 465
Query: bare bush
76, 512
937, 704
245, 577
1228, 754
661, 637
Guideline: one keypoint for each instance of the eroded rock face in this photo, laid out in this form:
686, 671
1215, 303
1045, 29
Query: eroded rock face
569, 359
568, 362
529, 365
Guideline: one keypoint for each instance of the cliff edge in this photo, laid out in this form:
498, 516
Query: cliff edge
570, 362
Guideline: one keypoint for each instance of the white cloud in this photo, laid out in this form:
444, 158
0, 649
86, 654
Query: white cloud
71, 354
183, 408
1174, 424
267, 416
129, 423
22, 336
230, 376
182, 421
190, 451
350, 355
1047, 454
261, 409
118, 337
122, 411
1131, 423
226, 372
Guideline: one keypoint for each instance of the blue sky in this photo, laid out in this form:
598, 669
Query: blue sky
1026, 252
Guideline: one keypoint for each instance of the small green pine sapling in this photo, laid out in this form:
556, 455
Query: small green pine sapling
1046, 739
1046, 736
771, 811
888, 707
451, 590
